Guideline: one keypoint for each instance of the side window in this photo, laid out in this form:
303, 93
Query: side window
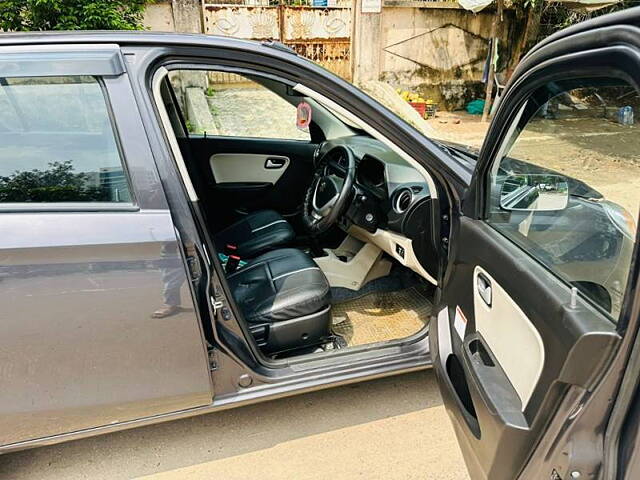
232, 105
566, 185
57, 142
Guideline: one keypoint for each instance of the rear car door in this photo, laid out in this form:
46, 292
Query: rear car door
534, 300
88, 253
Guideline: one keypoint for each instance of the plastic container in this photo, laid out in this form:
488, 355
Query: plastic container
431, 110
625, 116
419, 107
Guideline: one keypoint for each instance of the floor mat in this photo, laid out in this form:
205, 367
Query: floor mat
381, 316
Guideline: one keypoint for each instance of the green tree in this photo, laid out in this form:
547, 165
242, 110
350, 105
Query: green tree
28, 15
58, 183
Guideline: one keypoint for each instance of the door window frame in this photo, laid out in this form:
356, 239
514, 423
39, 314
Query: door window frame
603, 63
156, 75
104, 68
85, 206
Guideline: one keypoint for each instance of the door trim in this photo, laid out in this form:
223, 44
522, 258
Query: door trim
246, 168
510, 336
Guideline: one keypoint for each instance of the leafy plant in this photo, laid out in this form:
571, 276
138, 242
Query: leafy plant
58, 183
28, 15
557, 16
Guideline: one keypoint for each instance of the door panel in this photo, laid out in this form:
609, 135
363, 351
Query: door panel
498, 318
80, 347
496, 405
244, 174
88, 253
248, 168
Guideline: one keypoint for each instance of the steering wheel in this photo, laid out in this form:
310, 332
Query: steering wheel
327, 196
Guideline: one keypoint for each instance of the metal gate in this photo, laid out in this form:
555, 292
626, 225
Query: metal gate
321, 34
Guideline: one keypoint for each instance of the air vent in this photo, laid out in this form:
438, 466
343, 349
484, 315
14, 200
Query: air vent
402, 200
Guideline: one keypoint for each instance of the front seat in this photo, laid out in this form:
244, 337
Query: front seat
285, 299
256, 233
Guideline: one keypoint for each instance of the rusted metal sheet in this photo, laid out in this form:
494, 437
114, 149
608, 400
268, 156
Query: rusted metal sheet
332, 54
320, 34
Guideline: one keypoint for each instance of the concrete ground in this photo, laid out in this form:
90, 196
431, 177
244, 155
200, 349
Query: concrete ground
392, 428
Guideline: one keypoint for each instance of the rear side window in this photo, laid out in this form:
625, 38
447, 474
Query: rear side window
57, 142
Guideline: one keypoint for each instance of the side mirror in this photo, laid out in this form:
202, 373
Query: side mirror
534, 192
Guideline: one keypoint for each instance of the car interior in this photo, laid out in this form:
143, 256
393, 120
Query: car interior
327, 241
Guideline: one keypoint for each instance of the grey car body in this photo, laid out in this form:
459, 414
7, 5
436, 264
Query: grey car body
81, 354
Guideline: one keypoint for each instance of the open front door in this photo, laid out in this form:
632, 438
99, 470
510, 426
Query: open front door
540, 256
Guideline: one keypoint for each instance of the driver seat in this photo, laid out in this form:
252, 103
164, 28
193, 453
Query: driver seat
285, 300
256, 233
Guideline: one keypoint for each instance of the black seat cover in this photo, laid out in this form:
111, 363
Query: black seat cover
285, 298
256, 233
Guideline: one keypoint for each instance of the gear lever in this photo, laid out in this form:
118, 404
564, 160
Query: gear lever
316, 250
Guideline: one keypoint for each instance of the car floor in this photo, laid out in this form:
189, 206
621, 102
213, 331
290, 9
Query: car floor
381, 316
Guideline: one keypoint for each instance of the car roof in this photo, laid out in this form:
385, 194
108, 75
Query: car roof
136, 38
126, 38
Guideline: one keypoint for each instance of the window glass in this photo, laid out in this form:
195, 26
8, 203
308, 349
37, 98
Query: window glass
227, 104
566, 187
57, 142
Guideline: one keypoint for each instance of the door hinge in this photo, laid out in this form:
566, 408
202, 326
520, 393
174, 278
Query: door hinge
213, 365
217, 306
194, 268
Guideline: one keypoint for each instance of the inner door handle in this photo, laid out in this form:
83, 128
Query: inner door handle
273, 163
484, 288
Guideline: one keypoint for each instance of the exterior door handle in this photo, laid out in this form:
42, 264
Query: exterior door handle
484, 289
273, 163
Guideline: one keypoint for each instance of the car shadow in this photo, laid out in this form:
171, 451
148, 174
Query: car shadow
206, 438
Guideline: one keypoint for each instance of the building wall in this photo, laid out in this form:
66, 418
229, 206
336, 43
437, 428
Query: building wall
436, 49
158, 16
437, 52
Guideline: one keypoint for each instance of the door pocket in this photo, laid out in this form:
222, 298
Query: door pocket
492, 391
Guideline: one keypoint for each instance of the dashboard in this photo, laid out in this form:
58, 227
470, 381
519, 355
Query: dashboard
391, 205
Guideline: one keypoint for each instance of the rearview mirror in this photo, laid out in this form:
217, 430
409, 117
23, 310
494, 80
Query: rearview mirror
534, 192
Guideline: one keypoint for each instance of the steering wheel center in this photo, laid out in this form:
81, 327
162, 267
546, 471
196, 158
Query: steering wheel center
325, 196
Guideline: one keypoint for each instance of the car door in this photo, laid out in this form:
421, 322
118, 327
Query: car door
88, 254
533, 301
249, 154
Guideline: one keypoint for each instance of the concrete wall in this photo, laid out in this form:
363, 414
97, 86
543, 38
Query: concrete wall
174, 16
158, 16
437, 52
436, 49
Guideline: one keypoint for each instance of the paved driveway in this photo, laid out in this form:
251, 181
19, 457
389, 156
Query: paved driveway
392, 428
